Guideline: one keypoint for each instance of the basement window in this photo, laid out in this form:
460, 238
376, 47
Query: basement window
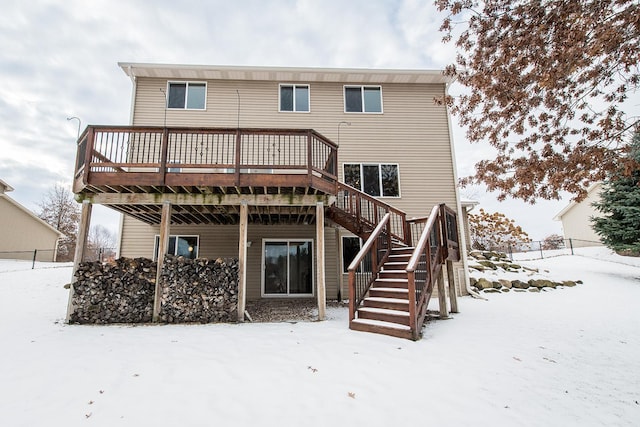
187, 95
186, 246
351, 245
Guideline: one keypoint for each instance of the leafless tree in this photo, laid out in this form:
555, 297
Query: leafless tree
102, 243
60, 210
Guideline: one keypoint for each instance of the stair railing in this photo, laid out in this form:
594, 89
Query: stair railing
438, 243
365, 267
368, 211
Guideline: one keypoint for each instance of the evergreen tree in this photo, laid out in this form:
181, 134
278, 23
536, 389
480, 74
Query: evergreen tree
619, 227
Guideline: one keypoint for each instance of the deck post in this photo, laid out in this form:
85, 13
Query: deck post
165, 223
81, 242
442, 295
340, 267
453, 295
242, 260
322, 293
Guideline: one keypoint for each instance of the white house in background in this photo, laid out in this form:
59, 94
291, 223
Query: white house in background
22, 232
575, 217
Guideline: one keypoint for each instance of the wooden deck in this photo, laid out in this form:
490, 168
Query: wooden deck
206, 172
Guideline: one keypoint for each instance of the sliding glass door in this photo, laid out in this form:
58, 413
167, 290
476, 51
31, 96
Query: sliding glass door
287, 268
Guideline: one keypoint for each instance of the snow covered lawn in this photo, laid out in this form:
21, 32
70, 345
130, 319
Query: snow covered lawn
567, 357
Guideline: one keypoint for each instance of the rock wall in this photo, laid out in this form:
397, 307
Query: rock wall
496, 264
122, 292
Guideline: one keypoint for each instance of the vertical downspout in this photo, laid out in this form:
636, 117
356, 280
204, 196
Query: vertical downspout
134, 89
461, 229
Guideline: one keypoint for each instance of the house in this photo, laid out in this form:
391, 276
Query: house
24, 235
576, 219
293, 171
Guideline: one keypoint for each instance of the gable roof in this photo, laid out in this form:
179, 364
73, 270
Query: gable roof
29, 213
573, 203
284, 74
4, 187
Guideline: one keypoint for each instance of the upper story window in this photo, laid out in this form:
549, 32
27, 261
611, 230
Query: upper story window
294, 98
378, 180
187, 95
363, 99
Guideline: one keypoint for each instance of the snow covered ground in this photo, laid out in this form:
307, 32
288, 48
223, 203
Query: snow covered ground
567, 357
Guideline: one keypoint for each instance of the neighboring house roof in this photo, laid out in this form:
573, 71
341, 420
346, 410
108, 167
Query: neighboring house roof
570, 206
468, 204
284, 74
25, 210
4, 187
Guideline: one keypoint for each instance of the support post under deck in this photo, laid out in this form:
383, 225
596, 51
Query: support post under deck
81, 243
165, 223
242, 260
322, 293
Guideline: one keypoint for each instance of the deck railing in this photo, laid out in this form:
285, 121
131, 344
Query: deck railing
153, 152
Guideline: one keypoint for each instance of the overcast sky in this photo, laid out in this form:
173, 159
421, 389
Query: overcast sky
59, 59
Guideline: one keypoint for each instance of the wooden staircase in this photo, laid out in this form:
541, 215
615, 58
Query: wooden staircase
385, 309
392, 278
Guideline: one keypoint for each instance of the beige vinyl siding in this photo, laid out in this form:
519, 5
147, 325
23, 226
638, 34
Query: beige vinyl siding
21, 233
576, 222
412, 132
221, 241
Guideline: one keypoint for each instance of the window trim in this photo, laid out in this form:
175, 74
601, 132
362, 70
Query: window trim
186, 98
294, 85
362, 87
382, 196
263, 294
156, 248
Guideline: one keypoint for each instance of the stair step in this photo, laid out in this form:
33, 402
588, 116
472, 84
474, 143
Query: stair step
392, 282
396, 265
388, 303
386, 315
398, 258
405, 250
393, 274
381, 327
382, 292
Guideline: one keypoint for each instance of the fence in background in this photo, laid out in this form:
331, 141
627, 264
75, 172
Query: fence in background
539, 249
45, 256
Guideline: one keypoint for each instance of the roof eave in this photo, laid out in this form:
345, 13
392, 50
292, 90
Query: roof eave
309, 74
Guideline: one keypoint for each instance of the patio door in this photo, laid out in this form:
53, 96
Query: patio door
287, 268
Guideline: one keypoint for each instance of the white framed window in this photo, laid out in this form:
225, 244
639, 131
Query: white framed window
375, 179
186, 246
186, 95
363, 99
294, 98
287, 267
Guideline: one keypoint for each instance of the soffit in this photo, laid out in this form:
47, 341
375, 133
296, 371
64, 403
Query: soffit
207, 72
